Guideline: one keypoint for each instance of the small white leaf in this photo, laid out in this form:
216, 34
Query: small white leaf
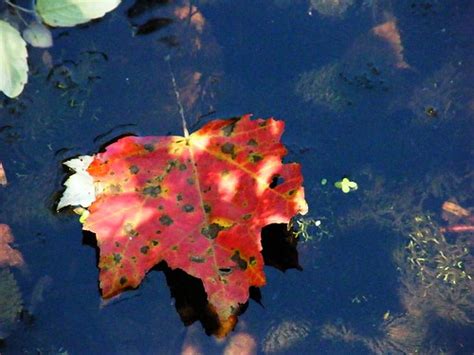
38, 35
13, 64
79, 186
66, 13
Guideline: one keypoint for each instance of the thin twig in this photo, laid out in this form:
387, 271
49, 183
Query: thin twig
24, 9
178, 98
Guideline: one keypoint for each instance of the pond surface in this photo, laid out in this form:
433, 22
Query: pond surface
378, 91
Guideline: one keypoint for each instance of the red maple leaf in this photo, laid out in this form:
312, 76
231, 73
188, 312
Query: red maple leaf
197, 202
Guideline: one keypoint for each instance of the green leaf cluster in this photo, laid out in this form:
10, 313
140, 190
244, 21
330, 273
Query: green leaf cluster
61, 13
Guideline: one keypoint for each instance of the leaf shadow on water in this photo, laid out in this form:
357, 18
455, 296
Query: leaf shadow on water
279, 251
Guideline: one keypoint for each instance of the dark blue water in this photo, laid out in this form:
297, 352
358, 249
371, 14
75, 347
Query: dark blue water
380, 91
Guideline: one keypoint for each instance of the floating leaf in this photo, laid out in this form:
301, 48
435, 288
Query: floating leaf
198, 202
38, 35
8, 255
66, 13
3, 176
13, 64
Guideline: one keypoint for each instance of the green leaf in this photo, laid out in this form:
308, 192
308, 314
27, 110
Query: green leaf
64, 13
13, 64
38, 35
346, 185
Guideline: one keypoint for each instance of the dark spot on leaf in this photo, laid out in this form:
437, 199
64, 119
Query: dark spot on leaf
188, 208
190, 181
117, 258
166, 220
134, 259
149, 147
228, 148
246, 217
207, 189
160, 207
182, 167
179, 197
228, 129
134, 169
224, 271
152, 191
174, 248
207, 208
252, 142
241, 263
123, 280
155, 242
171, 165
291, 192
255, 157
129, 230
263, 124
144, 249
117, 244
197, 259
211, 231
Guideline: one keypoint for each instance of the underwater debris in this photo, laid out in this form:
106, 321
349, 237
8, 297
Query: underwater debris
441, 98
11, 303
330, 8
285, 335
320, 87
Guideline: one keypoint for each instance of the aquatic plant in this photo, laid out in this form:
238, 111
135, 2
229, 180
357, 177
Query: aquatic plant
331, 8
10, 302
441, 97
320, 87
62, 13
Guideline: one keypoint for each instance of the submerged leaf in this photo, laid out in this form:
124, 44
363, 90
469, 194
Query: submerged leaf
199, 203
8, 255
38, 35
13, 64
66, 13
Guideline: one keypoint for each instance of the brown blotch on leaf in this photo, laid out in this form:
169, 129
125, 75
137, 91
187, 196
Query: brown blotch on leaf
144, 249
252, 261
134, 169
211, 231
190, 181
207, 208
149, 147
252, 142
197, 259
241, 263
179, 197
123, 280
247, 216
228, 148
166, 220
182, 167
129, 230
154, 243
152, 191
117, 258
255, 157
188, 208
228, 129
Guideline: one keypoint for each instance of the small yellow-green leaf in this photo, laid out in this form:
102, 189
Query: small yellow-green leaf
346, 185
13, 64
64, 13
